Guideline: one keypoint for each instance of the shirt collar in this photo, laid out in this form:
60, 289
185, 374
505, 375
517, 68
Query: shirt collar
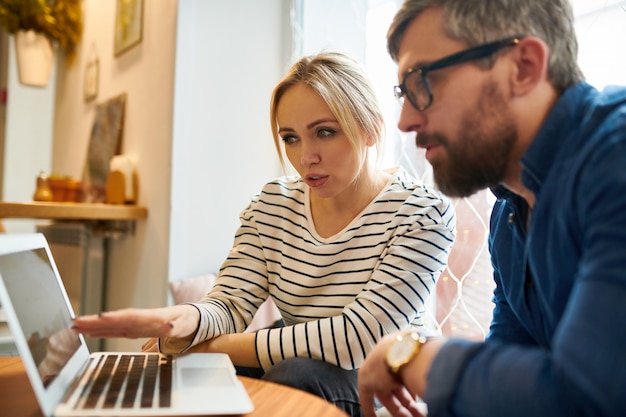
562, 121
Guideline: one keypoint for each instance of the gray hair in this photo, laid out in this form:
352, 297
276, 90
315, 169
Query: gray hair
479, 21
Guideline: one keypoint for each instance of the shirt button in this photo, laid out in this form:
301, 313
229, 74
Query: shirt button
511, 217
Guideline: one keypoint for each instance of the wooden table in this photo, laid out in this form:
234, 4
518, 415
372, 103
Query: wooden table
269, 399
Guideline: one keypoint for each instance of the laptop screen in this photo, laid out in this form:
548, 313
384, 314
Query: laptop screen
41, 309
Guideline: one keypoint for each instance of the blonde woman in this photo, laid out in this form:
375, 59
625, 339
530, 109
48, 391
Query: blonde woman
347, 251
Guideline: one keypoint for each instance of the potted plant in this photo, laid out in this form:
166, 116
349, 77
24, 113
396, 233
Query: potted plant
37, 25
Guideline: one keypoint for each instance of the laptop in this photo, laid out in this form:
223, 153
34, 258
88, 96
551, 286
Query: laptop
68, 380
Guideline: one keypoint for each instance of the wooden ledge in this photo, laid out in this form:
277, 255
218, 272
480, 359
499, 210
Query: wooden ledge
72, 211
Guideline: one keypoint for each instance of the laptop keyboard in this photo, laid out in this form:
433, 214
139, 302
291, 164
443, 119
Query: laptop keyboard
129, 381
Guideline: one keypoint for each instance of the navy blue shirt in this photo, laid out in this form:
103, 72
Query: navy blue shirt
557, 341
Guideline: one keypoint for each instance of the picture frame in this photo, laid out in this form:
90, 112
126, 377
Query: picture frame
92, 76
128, 25
105, 142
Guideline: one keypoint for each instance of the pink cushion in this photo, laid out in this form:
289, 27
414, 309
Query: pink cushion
195, 288
192, 289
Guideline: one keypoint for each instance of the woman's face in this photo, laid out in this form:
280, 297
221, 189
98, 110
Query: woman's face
315, 143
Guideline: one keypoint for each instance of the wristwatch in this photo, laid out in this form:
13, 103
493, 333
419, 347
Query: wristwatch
403, 350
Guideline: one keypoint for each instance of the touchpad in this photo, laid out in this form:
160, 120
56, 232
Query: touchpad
202, 377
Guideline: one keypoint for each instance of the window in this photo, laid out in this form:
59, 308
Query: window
601, 29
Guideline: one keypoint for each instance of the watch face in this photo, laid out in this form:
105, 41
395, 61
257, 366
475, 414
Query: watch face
402, 350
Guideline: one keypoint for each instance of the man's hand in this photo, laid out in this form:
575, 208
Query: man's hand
400, 397
375, 380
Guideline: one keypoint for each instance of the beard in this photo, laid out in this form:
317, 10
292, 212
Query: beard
478, 159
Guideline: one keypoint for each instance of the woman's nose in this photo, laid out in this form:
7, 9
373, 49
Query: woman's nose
309, 154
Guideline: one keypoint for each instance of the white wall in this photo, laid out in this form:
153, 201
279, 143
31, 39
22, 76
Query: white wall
229, 56
332, 25
28, 139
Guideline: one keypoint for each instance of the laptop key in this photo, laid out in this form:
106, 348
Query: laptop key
100, 382
165, 382
149, 383
117, 381
132, 386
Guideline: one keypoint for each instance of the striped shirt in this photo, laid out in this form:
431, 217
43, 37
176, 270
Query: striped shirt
339, 295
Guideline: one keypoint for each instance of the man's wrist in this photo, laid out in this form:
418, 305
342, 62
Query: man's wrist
403, 350
415, 374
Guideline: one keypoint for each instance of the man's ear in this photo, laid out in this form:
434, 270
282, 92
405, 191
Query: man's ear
531, 65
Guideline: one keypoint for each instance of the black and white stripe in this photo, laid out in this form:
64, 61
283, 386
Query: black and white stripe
338, 296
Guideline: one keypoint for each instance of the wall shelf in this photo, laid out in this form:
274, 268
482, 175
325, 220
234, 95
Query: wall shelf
71, 211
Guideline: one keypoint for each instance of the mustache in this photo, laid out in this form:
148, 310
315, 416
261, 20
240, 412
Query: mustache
423, 140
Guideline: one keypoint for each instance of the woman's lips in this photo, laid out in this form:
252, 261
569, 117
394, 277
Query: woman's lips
316, 180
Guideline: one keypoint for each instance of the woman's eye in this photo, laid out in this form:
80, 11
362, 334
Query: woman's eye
289, 139
324, 133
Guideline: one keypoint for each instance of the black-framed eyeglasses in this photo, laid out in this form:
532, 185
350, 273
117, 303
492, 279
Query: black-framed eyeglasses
415, 85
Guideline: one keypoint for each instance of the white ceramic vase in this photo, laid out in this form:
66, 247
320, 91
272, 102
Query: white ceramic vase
35, 58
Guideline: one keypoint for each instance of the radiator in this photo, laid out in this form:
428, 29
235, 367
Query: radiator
79, 257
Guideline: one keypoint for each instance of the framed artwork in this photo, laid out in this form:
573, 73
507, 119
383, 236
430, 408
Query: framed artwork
128, 25
105, 142
92, 75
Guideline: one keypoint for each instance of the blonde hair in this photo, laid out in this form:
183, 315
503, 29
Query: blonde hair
344, 86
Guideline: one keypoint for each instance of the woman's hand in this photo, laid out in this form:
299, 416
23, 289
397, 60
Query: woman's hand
177, 321
150, 345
